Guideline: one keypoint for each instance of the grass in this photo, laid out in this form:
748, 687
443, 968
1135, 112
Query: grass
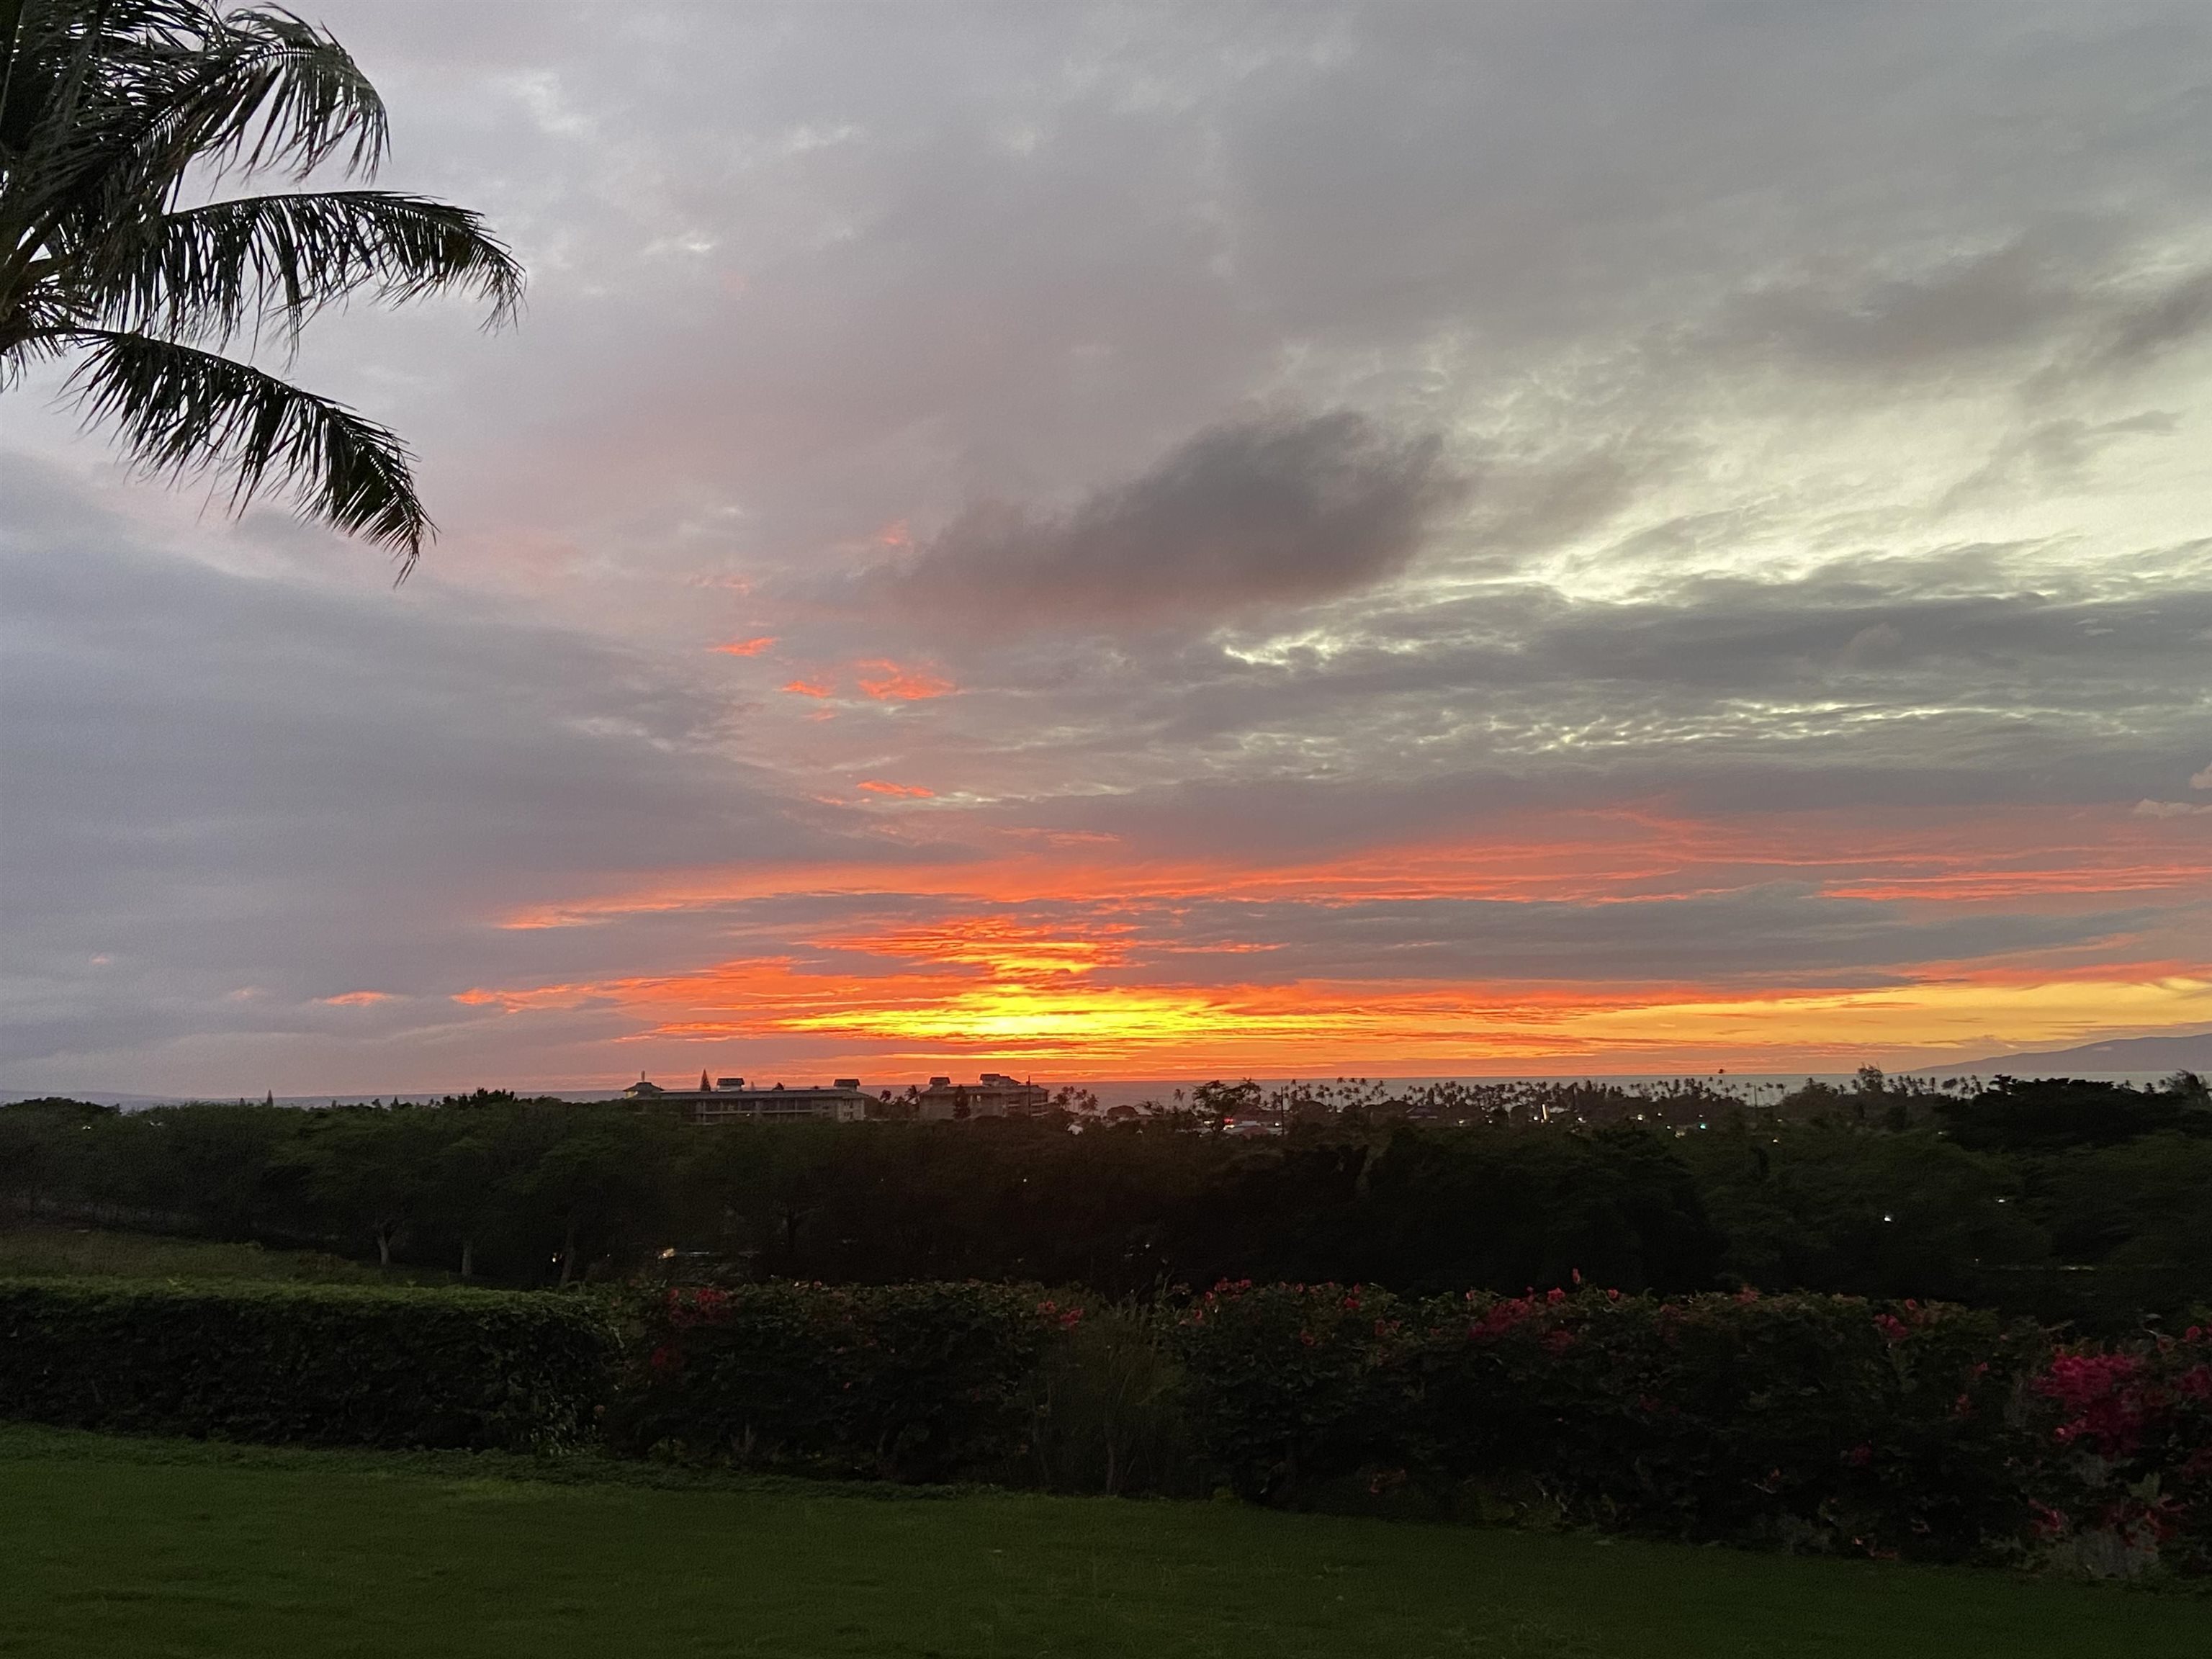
156, 1548
71, 1252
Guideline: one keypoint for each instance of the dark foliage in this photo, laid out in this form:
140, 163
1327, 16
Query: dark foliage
2066, 1113
1818, 1421
531, 1192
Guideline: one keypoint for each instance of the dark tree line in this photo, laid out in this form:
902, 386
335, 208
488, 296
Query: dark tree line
2066, 1199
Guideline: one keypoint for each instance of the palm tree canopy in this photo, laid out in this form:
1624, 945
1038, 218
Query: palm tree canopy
110, 109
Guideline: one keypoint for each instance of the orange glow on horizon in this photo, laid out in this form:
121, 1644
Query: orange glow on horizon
1070, 951
1042, 1013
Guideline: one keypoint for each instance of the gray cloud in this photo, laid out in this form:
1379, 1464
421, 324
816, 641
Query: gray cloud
1853, 690
2050, 309
1276, 511
1967, 308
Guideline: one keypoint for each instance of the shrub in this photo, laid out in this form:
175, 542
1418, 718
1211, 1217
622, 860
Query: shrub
1107, 1410
329, 1365
894, 1381
1290, 1386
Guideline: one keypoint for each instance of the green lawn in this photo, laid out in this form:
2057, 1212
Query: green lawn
69, 1252
147, 1548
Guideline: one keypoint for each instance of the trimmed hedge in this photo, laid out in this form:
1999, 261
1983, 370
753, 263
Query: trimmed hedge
325, 1364
891, 1381
1819, 1422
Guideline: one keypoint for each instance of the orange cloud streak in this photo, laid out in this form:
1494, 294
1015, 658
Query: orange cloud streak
1585, 858
746, 647
1007, 949
877, 786
807, 688
886, 682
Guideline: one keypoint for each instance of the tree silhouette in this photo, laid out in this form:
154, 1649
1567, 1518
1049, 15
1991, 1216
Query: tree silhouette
112, 113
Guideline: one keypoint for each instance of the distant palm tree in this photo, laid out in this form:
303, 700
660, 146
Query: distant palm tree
110, 111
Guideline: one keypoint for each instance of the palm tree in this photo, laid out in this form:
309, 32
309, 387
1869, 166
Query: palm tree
110, 112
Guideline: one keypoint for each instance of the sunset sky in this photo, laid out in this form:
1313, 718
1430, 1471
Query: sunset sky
1177, 542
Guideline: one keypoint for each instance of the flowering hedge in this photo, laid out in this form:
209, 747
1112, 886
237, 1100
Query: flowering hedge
2124, 1478
894, 1381
1819, 1422
1822, 1422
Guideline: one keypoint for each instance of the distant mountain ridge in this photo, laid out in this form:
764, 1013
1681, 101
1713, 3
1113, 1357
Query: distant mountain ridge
2191, 1053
